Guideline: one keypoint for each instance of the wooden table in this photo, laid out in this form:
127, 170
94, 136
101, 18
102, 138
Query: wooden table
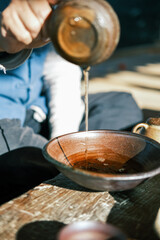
41, 212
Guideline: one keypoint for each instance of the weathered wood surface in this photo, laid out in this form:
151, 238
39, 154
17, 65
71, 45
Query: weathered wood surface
135, 211
51, 205
41, 212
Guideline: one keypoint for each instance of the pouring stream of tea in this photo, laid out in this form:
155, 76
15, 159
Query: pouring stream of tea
86, 80
128, 167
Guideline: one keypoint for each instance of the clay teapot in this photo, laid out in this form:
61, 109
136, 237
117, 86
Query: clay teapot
84, 32
150, 129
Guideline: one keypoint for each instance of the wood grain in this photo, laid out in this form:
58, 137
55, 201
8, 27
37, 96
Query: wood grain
41, 212
53, 204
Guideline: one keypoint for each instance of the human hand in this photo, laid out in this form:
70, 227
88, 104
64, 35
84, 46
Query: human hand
22, 24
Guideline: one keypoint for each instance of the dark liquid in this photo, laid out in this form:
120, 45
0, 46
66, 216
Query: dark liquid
130, 166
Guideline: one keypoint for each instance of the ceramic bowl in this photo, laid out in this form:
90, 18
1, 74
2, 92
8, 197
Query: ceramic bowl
90, 230
105, 160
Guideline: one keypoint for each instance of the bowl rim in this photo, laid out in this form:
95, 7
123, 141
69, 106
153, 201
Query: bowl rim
104, 176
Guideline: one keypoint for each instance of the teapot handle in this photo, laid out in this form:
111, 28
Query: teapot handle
138, 126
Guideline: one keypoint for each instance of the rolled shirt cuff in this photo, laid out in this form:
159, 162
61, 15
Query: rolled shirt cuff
2, 68
38, 115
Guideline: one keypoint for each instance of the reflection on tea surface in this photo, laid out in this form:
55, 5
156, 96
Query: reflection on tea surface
110, 167
104, 166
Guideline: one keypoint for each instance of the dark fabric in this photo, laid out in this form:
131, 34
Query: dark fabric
41, 128
22, 169
22, 165
31, 122
112, 110
13, 136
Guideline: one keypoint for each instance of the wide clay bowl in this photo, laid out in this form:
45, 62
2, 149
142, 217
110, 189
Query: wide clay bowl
90, 230
105, 160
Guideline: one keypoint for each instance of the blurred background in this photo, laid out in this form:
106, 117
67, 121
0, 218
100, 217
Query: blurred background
134, 67
139, 19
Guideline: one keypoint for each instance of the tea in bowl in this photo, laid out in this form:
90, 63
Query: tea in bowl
105, 160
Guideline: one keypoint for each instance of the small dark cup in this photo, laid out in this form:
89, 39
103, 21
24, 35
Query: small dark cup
150, 129
90, 230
